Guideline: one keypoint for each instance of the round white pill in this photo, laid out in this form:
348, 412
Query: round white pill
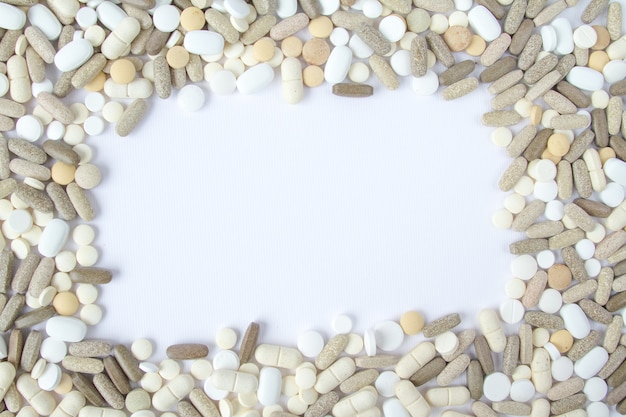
29, 128
554, 210
87, 255
112, 111
355, 344
458, 18
595, 389
65, 261
600, 99
83, 234
166, 18
501, 136
521, 372
515, 288
85, 17
151, 382
141, 349
502, 219
91, 314
86, 293
226, 359
545, 259
496, 386
425, 85
372, 9
386, 383
50, 377
400, 62
310, 343
439, 23
223, 82
598, 409
359, 72
190, 98
389, 335
43, 86
47, 295
339, 36
306, 375
4, 85
393, 27
20, 221
562, 368
94, 126
585, 248
342, 324
201, 369
212, 392
53, 350
446, 343
169, 369
94, 101
463, 5
522, 390
597, 234
55, 130
84, 152
524, 267
226, 338
545, 191
585, 36
550, 301
512, 311
61, 281
514, 203
593, 267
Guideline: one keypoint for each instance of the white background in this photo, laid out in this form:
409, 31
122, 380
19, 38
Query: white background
252, 209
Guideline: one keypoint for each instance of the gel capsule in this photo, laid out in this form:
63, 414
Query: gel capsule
234, 381
279, 356
411, 399
415, 359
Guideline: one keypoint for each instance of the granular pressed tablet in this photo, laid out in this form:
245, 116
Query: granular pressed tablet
312, 76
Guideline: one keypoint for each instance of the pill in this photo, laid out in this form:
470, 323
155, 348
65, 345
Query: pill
172, 392
279, 356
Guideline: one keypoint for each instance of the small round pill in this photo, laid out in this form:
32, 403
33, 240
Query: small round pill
86, 17
386, 383
177, 57
94, 126
359, 72
541, 336
545, 259
315, 51
29, 128
166, 18
65, 261
355, 344
190, 98
61, 281
226, 338
151, 382
263, 49
201, 369
86, 293
342, 323
192, 18
477, 46
65, 303
226, 359
562, 340
291, 46
312, 76
600, 99
389, 335
62, 173
65, 385
321, 27
20, 220
562, 368
87, 176
123, 71
91, 314
87, 255
339, 37
141, 349
524, 267
310, 343
496, 386
515, 288
112, 111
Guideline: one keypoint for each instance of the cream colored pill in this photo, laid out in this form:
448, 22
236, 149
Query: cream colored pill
415, 359
234, 381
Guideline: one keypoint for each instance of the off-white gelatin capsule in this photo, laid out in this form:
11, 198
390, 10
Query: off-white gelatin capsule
279, 356
234, 381
419, 356
411, 399
175, 390
362, 400
491, 327
334, 375
291, 75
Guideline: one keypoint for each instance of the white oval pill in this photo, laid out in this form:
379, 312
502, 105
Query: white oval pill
204, 42
11, 18
73, 55
564, 35
255, 78
53, 350
614, 71
328, 7
576, 321
53, 237
110, 14
338, 64
270, 383
223, 82
585, 78
41, 17
67, 329
590, 364
484, 23
237, 8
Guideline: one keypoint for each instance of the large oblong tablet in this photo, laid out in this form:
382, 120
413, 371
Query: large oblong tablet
255, 78
203, 42
11, 18
73, 55
67, 329
53, 237
338, 64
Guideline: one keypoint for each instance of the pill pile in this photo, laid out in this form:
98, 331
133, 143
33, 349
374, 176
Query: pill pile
557, 109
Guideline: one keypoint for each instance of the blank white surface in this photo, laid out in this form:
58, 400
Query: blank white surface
252, 209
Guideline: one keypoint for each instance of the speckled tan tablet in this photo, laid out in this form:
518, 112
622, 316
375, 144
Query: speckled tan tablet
15, 347
530, 52
34, 317
323, 405
440, 49
61, 201
460, 88
458, 38
528, 215
116, 374
534, 289
352, 90
483, 354
82, 364
466, 338
86, 387
428, 372
453, 370
203, 403
584, 345
359, 380
90, 348
186, 351
30, 353
376, 361
566, 388
186, 409
442, 324
616, 359
128, 363
545, 320
384, 72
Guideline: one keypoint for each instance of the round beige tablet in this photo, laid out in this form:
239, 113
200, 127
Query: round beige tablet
412, 322
87, 176
316, 51
192, 18
97, 84
606, 154
321, 27
177, 57
65, 385
263, 49
477, 46
122, 71
559, 276
313, 76
458, 38
291, 46
226, 338
536, 111
597, 60
558, 144
562, 340
62, 173
65, 303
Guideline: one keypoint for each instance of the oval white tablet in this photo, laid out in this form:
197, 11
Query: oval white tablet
204, 42
255, 78
67, 329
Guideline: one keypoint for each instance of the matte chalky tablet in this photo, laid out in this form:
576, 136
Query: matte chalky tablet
524, 267
87, 176
169, 369
226, 338
562, 368
595, 389
496, 386
86, 293
389, 335
29, 128
87, 255
166, 18
522, 390
95, 101
310, 343
342, 323
369, 342
83, 234
20, 221
201, 369
512, 311
226, 359
141, 349
94, 126
91, 314
122, 71
190, 98
112, 111
550, 301
386, 383
425, 85
412, 322
446, 343
65, 303
53, 350
355, 344
223, 82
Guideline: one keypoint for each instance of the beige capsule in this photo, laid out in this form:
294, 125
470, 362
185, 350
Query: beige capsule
460, 88
384, 72
289, 26
570, 121
83, 365
500, 68
376, 361
419, 56
513, 408
506, 81
373, 38
508, 98
453, 370
86, 387
36, 65
574, 262
41, 276
34, 198
559, 102
61, 201
29, 169
613, 334
582, 181
545, 229
131, 117
595, 311
186, 351
117, 375
514, 16
528, 246
442, 324
436, 6
27, 150
579, 291
203, 403
428, 372
90, 348
359, 380
63, 85
549, 12
348, 20
521, 36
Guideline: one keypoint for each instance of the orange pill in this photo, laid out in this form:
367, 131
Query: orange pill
62, 173
192, 18
122, 71
65, 303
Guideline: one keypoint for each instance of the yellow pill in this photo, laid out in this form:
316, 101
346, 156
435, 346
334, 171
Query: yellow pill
477, 46
97, 84
65, 303
263, 49
547, 155
562, 340
62, 173
606, 154
291, 46
177, 57
321, 27
412, 322
313, 76
558, 144
597, 60
316, 51
122, 71
192, 18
